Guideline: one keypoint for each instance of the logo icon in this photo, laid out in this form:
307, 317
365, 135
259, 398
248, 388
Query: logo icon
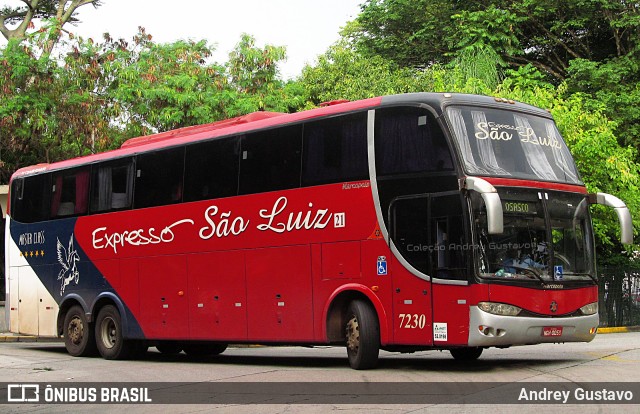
553, 307
23, 393
68, 259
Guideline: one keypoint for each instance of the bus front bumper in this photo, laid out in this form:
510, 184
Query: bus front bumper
487, 329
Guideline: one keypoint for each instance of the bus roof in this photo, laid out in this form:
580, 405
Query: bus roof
263, 120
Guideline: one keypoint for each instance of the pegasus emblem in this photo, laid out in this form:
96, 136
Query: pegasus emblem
68, 259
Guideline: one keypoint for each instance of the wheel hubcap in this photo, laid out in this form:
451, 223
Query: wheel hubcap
353, 335
75, 330
108, 332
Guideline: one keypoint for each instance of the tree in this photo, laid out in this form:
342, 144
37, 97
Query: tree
546, 34
103, 93
57, 12
344, 73
613, 86
254, 78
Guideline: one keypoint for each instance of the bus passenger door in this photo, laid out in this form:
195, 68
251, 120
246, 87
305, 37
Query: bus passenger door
409, 231
450, 269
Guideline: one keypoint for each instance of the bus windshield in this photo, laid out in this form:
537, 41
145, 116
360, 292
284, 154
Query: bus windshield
545, 238
511, 144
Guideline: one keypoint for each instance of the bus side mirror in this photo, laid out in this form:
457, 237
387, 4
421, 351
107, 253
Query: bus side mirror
491, 201
624, 216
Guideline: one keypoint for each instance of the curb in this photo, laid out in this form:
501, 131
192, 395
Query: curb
9, 337
618, 329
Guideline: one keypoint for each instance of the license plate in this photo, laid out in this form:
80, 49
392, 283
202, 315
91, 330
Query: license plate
552, 331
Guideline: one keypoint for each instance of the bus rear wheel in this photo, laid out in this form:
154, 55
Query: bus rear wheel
362, 334
466, 354
78, 334
109, 339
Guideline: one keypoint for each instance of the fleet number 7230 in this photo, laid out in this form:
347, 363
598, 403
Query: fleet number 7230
412, 320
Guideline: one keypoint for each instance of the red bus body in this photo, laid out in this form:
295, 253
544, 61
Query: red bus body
292, 266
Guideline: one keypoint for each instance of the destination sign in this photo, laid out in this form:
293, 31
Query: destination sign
519, 207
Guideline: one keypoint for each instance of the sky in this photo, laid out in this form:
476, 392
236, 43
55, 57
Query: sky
306, 27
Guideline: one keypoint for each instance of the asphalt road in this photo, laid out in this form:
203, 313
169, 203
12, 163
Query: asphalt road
299, 374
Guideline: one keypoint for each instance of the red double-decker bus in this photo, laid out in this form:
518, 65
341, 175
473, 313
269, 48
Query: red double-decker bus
407, 222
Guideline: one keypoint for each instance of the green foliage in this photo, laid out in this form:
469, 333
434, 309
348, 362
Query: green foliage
614, 87
342, 73
410, 33
254, 79
547, 34
491, 28
103, 93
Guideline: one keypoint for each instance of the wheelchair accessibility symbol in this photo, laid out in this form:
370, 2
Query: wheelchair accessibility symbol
382, 266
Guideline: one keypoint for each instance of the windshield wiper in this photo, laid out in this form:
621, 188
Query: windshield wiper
531, 270
581, 274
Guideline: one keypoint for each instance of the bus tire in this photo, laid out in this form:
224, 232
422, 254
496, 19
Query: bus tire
109, 339
362, 335
78, 334
204, 349
466, 354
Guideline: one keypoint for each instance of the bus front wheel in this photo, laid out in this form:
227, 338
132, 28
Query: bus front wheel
362, 334
78, 334
109, 340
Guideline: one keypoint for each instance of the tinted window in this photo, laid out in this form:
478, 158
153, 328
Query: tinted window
211, 169
70, 193
159, 178
447, 232
428, 231
335, 150
30, 198
511, 144
270, 160
409, 140
112, 186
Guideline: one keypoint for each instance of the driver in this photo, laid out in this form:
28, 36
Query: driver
516, 260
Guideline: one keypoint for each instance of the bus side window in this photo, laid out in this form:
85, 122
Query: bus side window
270, 160
112, 186
409, 140
211, 169
335, 150
450, 260
159, 178
70, 193
30, 198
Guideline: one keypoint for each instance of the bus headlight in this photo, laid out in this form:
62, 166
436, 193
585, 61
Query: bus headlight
589, 309
499, 308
